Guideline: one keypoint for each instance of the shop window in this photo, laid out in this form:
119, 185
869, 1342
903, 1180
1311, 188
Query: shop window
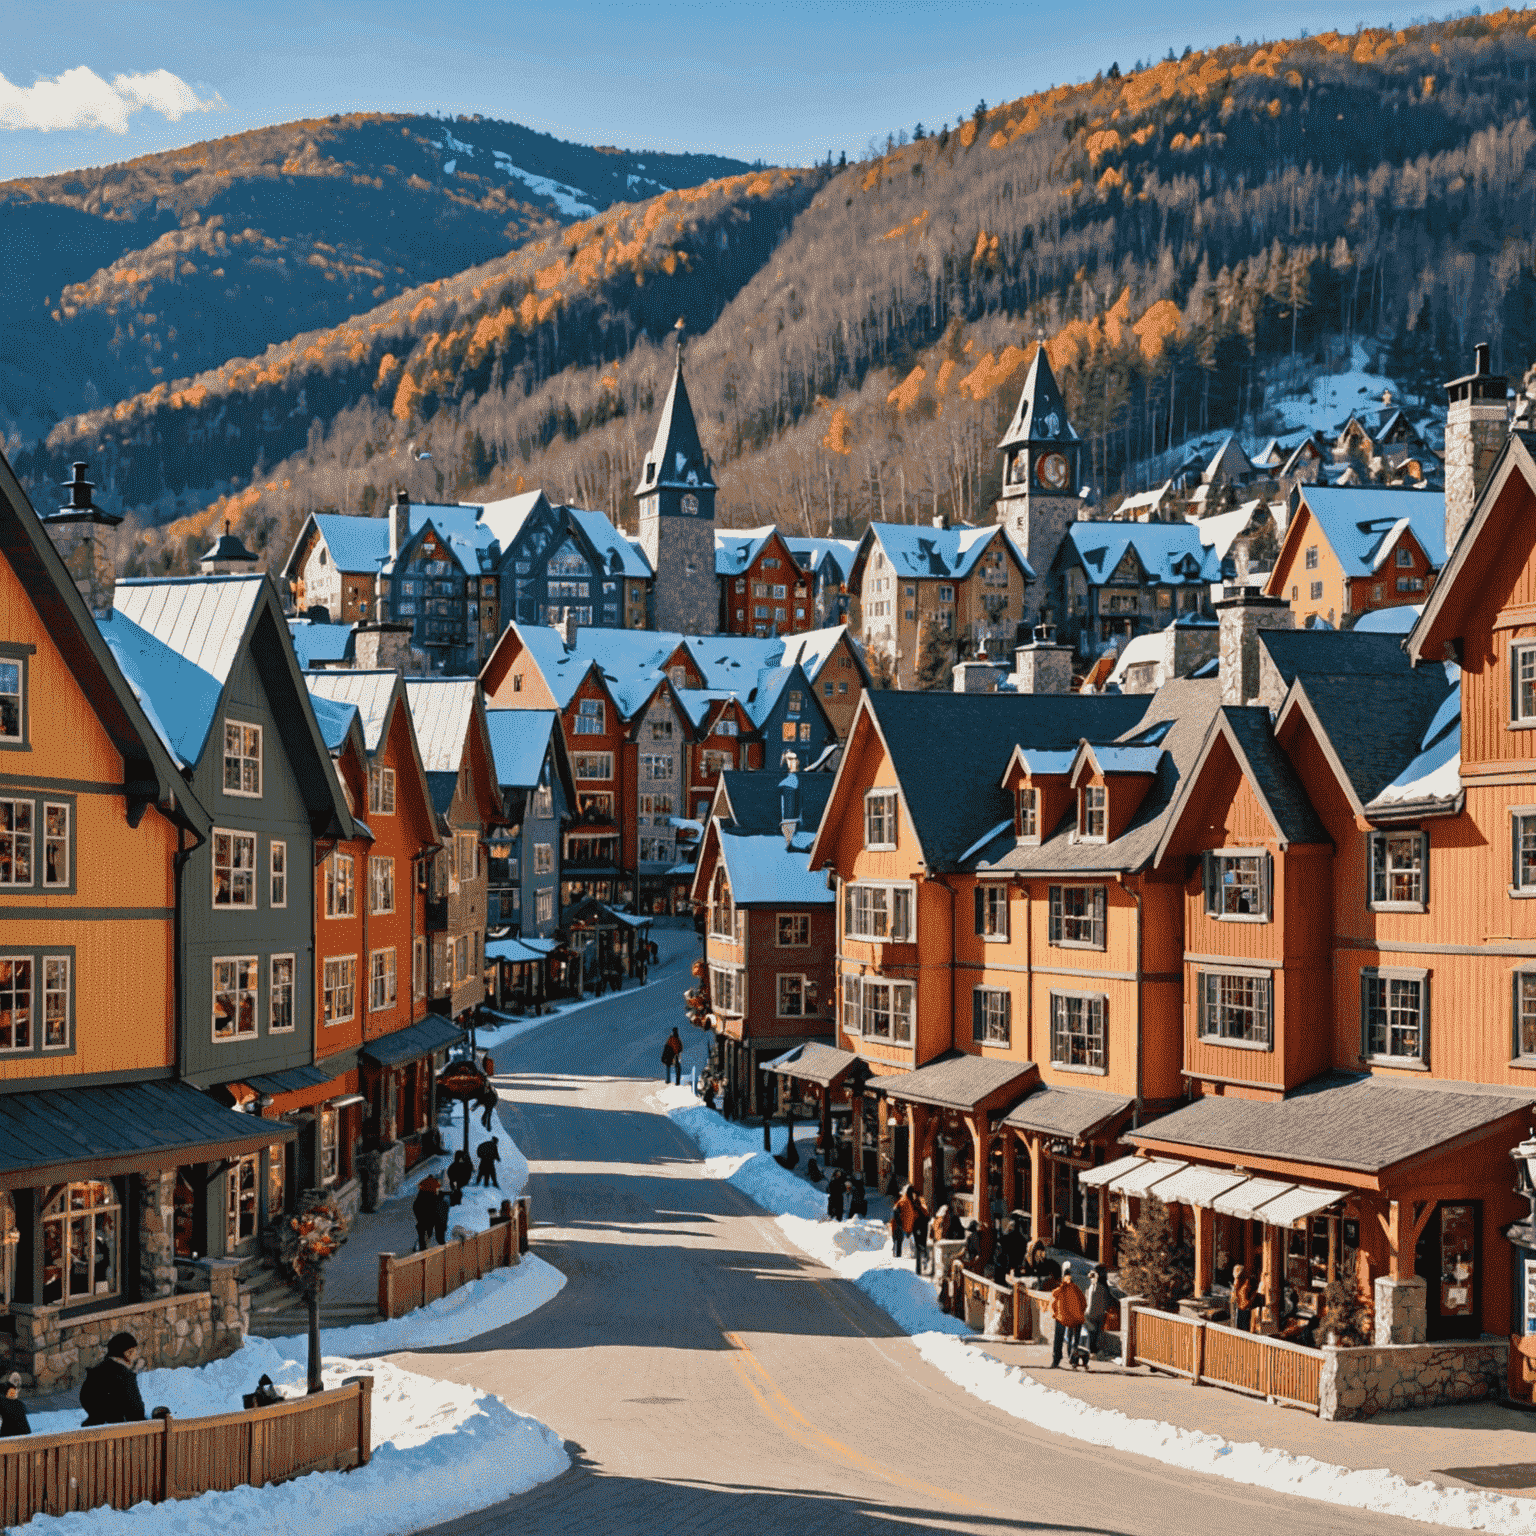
1394, 1016
330, 1144
990, 1011
234, 997
82, 1248
242, 759
240, 1190
234, 869
1235, 1008
1077, 916
1237, 885
1398, 864
991, 902
1077, 1031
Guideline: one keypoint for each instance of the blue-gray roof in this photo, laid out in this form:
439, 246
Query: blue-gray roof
315, 643
519, 744
371, 692
1169, 553
355, 543
944, 553
737, 548
762, 870
334, 719
1363, 524
812, 552
619, 555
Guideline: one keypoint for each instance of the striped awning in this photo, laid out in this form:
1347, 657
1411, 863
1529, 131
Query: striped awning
1246, 1200
1144, 1179
1198, 1186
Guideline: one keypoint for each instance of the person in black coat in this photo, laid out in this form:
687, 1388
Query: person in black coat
440, 1221
13, 1412
487, 1103
460, 1172
858, 1199
110, 1394
835, 1195
424, 1209
489, 1153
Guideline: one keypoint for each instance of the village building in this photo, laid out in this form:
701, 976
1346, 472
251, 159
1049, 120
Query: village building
828, 563
834, 665
763, 588
538, 794
1350, 550
97, 1129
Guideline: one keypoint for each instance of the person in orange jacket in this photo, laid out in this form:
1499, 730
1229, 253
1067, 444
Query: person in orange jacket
1068, 1308
903, 1219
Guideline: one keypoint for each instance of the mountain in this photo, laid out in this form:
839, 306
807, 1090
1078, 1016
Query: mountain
119, 277
1190, 240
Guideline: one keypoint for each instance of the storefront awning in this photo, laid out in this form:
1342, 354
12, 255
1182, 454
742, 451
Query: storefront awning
1144, 1178
55, 1135
1198, 1186
1297, 1205
434, 1033
1247, 1199
823, 1065
294, 1080
1073, 1114
515, 951
960, 1081
1096, 1178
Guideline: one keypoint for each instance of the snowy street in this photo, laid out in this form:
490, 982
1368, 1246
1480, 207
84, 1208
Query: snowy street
706, 1375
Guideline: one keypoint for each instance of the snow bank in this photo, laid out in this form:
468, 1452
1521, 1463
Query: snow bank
473, 1214
440, 1450
861, 1253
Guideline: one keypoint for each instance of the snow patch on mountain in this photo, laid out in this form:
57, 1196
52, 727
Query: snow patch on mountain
569, 200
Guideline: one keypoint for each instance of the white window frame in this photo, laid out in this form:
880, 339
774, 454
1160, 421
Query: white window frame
896, 932
798, 922
1087, 810
543, 858
338, 986
991, 1016
242, 757
1096, 916
277, 873
1518, 978
1389, 977
1026, 822
383, 986
796, 988
329, 1127
991, 899
878, 999
276, 988
1212, 1036
381, 791
587, 760
381, 885
234, 867
880, 818
418, 967
340, 894
241, 961
727, 990
1213, 870
1094, 1022
1519, 817
1522, 708
1377, 847
544, 905
591, 718
656, 765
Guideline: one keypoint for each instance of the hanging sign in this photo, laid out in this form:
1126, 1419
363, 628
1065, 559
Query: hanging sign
462, 1080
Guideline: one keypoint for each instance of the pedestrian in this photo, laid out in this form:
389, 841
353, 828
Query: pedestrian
654, 952
489, 1153
487, 1103
973, 1246
858, 1199
1245, 1297
729, 1102
1009, 1255
13, 1412
835, 1195
110, 1394
920, 1220
1067, 1304
903, 1218
440, 1217
1040, 1267
672, 1057
424, 1209
505, 1216
1095, 1310
265, 1395
460, 1172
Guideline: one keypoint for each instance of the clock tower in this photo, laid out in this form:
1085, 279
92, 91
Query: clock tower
677, 517
1041, 475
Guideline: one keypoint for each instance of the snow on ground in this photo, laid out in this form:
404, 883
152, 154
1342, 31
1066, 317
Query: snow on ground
566, 199
861, 1253
439, 1450
1332, 396
474, 1214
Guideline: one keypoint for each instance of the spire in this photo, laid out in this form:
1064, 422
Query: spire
80, 508
1042, 413
677, 457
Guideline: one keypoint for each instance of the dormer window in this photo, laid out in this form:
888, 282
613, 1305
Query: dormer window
1092, 803
880, 819
1026, 823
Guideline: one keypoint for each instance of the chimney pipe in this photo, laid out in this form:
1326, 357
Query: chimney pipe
789, 799
399, 522
1476, 428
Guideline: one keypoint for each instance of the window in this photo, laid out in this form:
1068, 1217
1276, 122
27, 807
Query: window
589, 717
1077, 916
946, 594
330, 1145
880, 912
462, 955
826, 689
1311, 561
340, 897
594, 765
992, 911
1410, 583
418, 967
789, 731
1090, 813
1522, 710
544, 905
56, 995
240, 1201
990, 1016
543, 859
725, 989
1237, 885
15, 842
794, 930
852, 991
712, 763
1525, 1013
13, 698
723, 922
381, 980
661, 730
1398, 864
793, 1003
234, 869
885, 1010
1077, 1031
656, 765
280, 996
276, 1166
340, 977
381, 884
1235, 1008
1393, 1015
726, 727
1405, 558
381, 791
1524, 874
277, 883
880, 819
55, 844
242, 759
234, 997
543, 802
1027, 819
15, 1003
805, 730
82, 1248
1317, 592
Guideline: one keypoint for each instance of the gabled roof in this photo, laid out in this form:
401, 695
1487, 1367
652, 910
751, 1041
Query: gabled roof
677, 458
620, 556
316, 643
812, 650
505, 517
1038, 761
731, 662
1432, 780
1336, 652
1307, 448
357, 544
763, 871
1221, 531
467, 539
1169, 553
441, 710
812, 554
943, 554
1115, 759
737, 548
1041, 414
749, 800
519, 744
1230, 462
1362, 525
337, 721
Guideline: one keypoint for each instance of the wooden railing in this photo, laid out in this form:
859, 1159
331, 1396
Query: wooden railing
166, 1458
1227, 1357
416, 1279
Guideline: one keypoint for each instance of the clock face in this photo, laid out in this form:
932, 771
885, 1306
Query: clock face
690, 505
1053, 471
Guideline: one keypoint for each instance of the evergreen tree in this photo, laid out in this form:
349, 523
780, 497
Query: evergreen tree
1345, 1315
935, 661
1152, 1264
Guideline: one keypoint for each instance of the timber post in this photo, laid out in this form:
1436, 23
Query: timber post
167, 1461
386, 1285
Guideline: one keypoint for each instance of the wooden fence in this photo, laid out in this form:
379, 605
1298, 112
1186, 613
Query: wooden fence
415, 1279
165, 1458
1227, 1357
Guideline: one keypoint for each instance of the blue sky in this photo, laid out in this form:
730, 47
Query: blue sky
784, 80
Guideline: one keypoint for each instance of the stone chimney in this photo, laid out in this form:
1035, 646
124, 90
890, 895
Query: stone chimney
1242, 614
77, 530
399, 522
1476, 426
387, 648
1043, 666
789, 799
567, 627
978, 675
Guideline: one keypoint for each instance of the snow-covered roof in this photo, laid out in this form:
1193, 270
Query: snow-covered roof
314, 643
470, 542
761, 869
732, 661
1220, 532
1168, 552
1141, 650
1397, 620
621, 556
1118, 759
370, 692
812, 649
1041, 414
811, 553
355, 543
1435, 774
737, 548
947, 554
1362, 525
334, 719
1230, 462
505, 517
519, 744
764, 694
1144, 501
441, 709
177, 695
1042, 760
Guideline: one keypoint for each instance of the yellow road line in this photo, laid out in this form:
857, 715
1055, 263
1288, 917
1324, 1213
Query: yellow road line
778, 1408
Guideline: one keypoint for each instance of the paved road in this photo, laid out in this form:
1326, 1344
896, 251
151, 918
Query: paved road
707, 1377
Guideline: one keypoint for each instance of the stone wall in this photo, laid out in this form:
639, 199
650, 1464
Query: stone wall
1387, 1378
53, 1352
380, 1174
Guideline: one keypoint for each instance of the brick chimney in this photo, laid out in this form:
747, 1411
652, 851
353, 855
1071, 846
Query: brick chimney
1476, 426
399, 522
1242, 615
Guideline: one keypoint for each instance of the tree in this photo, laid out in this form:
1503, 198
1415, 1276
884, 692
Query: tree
882, 670
935, 660
1152, 1263
1345, 1315
308, 1240
981, 111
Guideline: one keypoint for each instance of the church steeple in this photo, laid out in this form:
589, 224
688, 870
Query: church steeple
677, 459
1041, 416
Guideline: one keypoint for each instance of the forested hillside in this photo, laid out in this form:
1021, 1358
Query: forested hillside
1185, 237
124, 275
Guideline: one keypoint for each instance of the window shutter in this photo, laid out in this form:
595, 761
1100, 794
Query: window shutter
981, 909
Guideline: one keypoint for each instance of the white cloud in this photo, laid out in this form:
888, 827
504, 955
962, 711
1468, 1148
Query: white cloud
80, 98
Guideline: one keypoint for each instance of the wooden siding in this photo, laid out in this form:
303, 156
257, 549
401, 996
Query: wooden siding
839, 672
815, 962
1291, 573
